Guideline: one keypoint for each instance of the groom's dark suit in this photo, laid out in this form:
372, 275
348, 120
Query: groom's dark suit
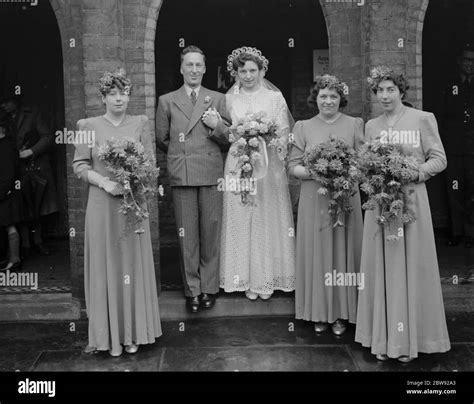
195, 164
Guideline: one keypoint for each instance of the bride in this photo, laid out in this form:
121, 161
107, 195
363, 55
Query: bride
258, 241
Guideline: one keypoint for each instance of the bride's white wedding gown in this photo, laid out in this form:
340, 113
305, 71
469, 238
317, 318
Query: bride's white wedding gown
258, 242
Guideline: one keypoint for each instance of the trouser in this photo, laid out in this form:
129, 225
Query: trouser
198, 212
460, 188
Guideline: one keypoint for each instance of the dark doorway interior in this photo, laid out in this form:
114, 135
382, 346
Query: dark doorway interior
31, 63
447, 25
218, 27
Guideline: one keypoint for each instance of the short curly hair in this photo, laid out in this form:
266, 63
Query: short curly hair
240, 61
117, 79
331, 82
381, 73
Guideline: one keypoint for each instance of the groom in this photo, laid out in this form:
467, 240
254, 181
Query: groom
189, 128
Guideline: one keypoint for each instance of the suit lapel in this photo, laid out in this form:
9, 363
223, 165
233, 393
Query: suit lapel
183, 102
198, 110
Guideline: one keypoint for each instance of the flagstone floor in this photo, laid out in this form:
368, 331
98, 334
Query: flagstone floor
225, 344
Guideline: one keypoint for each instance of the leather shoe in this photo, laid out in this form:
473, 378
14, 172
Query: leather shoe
339, 327
207, 300
320, 326
42, 250
131, 349
382, 357
193, 304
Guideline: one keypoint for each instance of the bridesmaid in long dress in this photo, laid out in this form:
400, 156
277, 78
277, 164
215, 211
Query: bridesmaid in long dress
119, 273
321, 248
400, 310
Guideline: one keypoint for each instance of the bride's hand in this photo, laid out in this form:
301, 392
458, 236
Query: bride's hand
211, 118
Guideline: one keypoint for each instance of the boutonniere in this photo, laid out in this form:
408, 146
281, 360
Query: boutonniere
207, 100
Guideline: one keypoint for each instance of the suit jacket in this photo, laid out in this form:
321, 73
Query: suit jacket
193, 150
32, 132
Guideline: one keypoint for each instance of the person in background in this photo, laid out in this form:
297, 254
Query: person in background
456, 116
33, 140
10, 195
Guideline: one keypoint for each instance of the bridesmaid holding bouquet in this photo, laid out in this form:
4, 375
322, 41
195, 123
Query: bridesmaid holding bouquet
119, 272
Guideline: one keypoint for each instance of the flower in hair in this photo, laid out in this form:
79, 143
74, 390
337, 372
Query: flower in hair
379, 73
332, 82
108, 80
245, 49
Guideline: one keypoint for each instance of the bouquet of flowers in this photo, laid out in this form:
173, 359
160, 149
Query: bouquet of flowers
385, 173
246, 134
135, 171
333, 164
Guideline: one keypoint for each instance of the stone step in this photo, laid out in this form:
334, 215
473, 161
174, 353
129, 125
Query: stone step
62, 306
39, 306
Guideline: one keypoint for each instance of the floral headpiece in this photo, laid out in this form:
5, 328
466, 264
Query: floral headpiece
332, 82
245, 49
380, 73
108, 80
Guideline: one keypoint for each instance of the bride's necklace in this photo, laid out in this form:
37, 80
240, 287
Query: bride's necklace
330, 121
392, 121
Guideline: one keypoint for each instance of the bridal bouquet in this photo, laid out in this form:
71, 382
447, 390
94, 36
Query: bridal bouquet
333, 164
135, 170
247, 134
385, 173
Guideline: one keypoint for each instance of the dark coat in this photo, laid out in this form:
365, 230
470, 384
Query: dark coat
31, 132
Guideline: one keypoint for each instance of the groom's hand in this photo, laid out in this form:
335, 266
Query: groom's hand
211, 118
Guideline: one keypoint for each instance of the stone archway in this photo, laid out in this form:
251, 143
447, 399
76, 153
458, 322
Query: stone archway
299, 76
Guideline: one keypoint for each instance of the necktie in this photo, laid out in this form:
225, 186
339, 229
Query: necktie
193, 97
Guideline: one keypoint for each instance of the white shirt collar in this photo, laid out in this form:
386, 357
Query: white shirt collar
189, 90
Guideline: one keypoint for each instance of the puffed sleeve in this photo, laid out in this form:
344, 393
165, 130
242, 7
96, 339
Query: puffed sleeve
358, 133
298, 146
82, 161
145, 134
433, 150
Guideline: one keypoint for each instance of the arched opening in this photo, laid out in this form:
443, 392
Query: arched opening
32, 67
447, 26
217, 28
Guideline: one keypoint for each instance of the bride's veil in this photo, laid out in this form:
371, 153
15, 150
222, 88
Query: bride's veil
265, 83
